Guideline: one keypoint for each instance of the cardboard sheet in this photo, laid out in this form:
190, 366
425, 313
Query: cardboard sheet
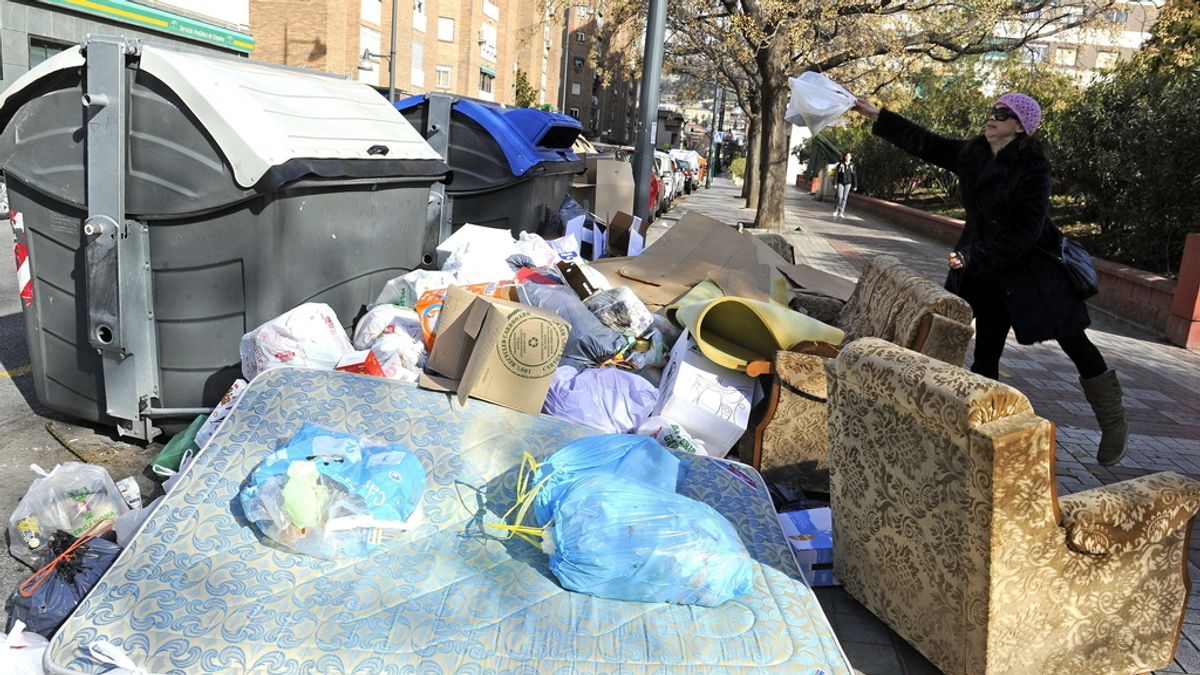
694, 249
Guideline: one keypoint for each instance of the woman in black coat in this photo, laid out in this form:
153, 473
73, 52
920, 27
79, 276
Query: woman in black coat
1005, 263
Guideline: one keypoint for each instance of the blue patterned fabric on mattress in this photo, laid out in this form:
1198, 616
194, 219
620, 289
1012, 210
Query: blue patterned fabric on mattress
200, 590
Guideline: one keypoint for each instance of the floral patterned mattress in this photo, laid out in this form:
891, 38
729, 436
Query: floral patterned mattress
199, 591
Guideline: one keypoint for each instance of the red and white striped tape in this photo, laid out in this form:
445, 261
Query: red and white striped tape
21, 251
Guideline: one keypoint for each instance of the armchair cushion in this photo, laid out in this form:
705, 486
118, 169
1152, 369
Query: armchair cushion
802, 374
891, 302
1130, 515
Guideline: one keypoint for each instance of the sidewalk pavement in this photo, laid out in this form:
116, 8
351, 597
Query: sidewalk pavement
1161, 384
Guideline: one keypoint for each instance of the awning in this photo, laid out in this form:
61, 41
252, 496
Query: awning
487, 71
161, 21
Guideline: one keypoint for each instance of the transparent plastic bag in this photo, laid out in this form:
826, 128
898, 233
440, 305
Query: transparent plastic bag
330, 494
816, 101
308, 336
72, 497
629, 457
621, 310
625, 540
607, 399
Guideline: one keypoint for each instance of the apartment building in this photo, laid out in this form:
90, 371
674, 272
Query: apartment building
34, 30
596, 87
474, 48
1087, 54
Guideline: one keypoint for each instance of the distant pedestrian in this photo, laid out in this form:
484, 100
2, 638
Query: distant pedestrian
845, 179
1005, 262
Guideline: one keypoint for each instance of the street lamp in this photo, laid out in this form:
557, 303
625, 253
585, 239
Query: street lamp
365, 62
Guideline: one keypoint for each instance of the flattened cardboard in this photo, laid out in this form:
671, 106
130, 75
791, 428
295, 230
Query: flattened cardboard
818, 281
497, 351
690, 251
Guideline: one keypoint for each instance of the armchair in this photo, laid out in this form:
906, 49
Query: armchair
948, 526
890, 301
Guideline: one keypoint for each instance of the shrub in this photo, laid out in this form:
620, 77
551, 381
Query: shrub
738, 167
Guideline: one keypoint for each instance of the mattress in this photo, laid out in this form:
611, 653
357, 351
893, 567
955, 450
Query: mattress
200, 590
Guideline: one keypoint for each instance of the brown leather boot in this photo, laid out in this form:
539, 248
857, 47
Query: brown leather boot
1103, 392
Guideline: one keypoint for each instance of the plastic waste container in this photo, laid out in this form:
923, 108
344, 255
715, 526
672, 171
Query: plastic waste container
512, 166
169, 201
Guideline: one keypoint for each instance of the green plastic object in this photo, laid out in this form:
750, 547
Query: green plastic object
303, 496
168, 459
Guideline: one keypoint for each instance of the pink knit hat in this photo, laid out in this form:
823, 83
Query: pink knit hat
1029, 113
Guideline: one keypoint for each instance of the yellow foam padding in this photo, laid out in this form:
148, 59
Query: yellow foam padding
731, 332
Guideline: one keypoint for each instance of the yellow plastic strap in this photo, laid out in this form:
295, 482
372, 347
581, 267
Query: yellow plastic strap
520, 509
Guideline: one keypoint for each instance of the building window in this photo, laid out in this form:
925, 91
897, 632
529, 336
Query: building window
419, 15
487, 81
369, 11
418, 65
445, 29
580, 36
1065, 56
1118, 16
575, 88
578, 62
1105, 60
41, 49
491, 10
1037, 53
573, 112
443, 76
368, 38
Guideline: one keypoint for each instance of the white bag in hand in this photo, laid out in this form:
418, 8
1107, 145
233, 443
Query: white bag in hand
307, 336
817, 101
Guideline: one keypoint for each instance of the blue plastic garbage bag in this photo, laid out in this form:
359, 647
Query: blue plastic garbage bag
608, 399
327, 493
590, 342
626, 456
50, 602
626, 540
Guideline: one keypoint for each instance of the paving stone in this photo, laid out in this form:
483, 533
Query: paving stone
870, 659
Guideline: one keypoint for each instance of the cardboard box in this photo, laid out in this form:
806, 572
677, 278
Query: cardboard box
361, 362
495, 350
626, 235
607, 187
810, 533
711, 402
429, 306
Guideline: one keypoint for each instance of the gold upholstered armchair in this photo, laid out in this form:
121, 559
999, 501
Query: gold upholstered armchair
948, 527
890, 301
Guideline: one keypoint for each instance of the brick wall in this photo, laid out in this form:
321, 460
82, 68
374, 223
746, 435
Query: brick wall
1137, 296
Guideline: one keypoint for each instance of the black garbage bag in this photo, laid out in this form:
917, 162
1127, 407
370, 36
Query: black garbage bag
590, 343
65, 585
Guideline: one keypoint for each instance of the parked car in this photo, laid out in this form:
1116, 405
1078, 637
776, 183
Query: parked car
680, 175
666, 174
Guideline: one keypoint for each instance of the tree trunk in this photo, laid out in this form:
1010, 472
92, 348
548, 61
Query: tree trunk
775, 140
753, 153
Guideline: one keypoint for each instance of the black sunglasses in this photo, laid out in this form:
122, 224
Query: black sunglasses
1001, 114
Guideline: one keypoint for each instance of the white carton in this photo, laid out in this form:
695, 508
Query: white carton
712, 403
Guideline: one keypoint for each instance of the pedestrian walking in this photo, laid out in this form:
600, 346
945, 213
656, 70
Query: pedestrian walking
845, 179
1005, 262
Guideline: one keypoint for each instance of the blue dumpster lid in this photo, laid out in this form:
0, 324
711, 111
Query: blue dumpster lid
527, 137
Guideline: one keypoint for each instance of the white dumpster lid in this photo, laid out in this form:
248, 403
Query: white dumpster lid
262, 116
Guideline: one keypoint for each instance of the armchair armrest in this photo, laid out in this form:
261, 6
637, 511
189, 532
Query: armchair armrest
1129, 515
802, 374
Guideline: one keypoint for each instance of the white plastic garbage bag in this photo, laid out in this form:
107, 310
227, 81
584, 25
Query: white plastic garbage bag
309, 336
385, 319
538, 250
72, 497
816, 101
394, 335
21, 652
608, 399
407, 289
477, 254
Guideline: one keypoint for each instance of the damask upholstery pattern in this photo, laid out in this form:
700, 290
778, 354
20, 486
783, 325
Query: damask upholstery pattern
890, 302
199, 590
947, 526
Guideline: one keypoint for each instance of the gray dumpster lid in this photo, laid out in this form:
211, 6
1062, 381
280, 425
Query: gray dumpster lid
263, 116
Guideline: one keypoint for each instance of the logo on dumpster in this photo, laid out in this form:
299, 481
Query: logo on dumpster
530, 345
